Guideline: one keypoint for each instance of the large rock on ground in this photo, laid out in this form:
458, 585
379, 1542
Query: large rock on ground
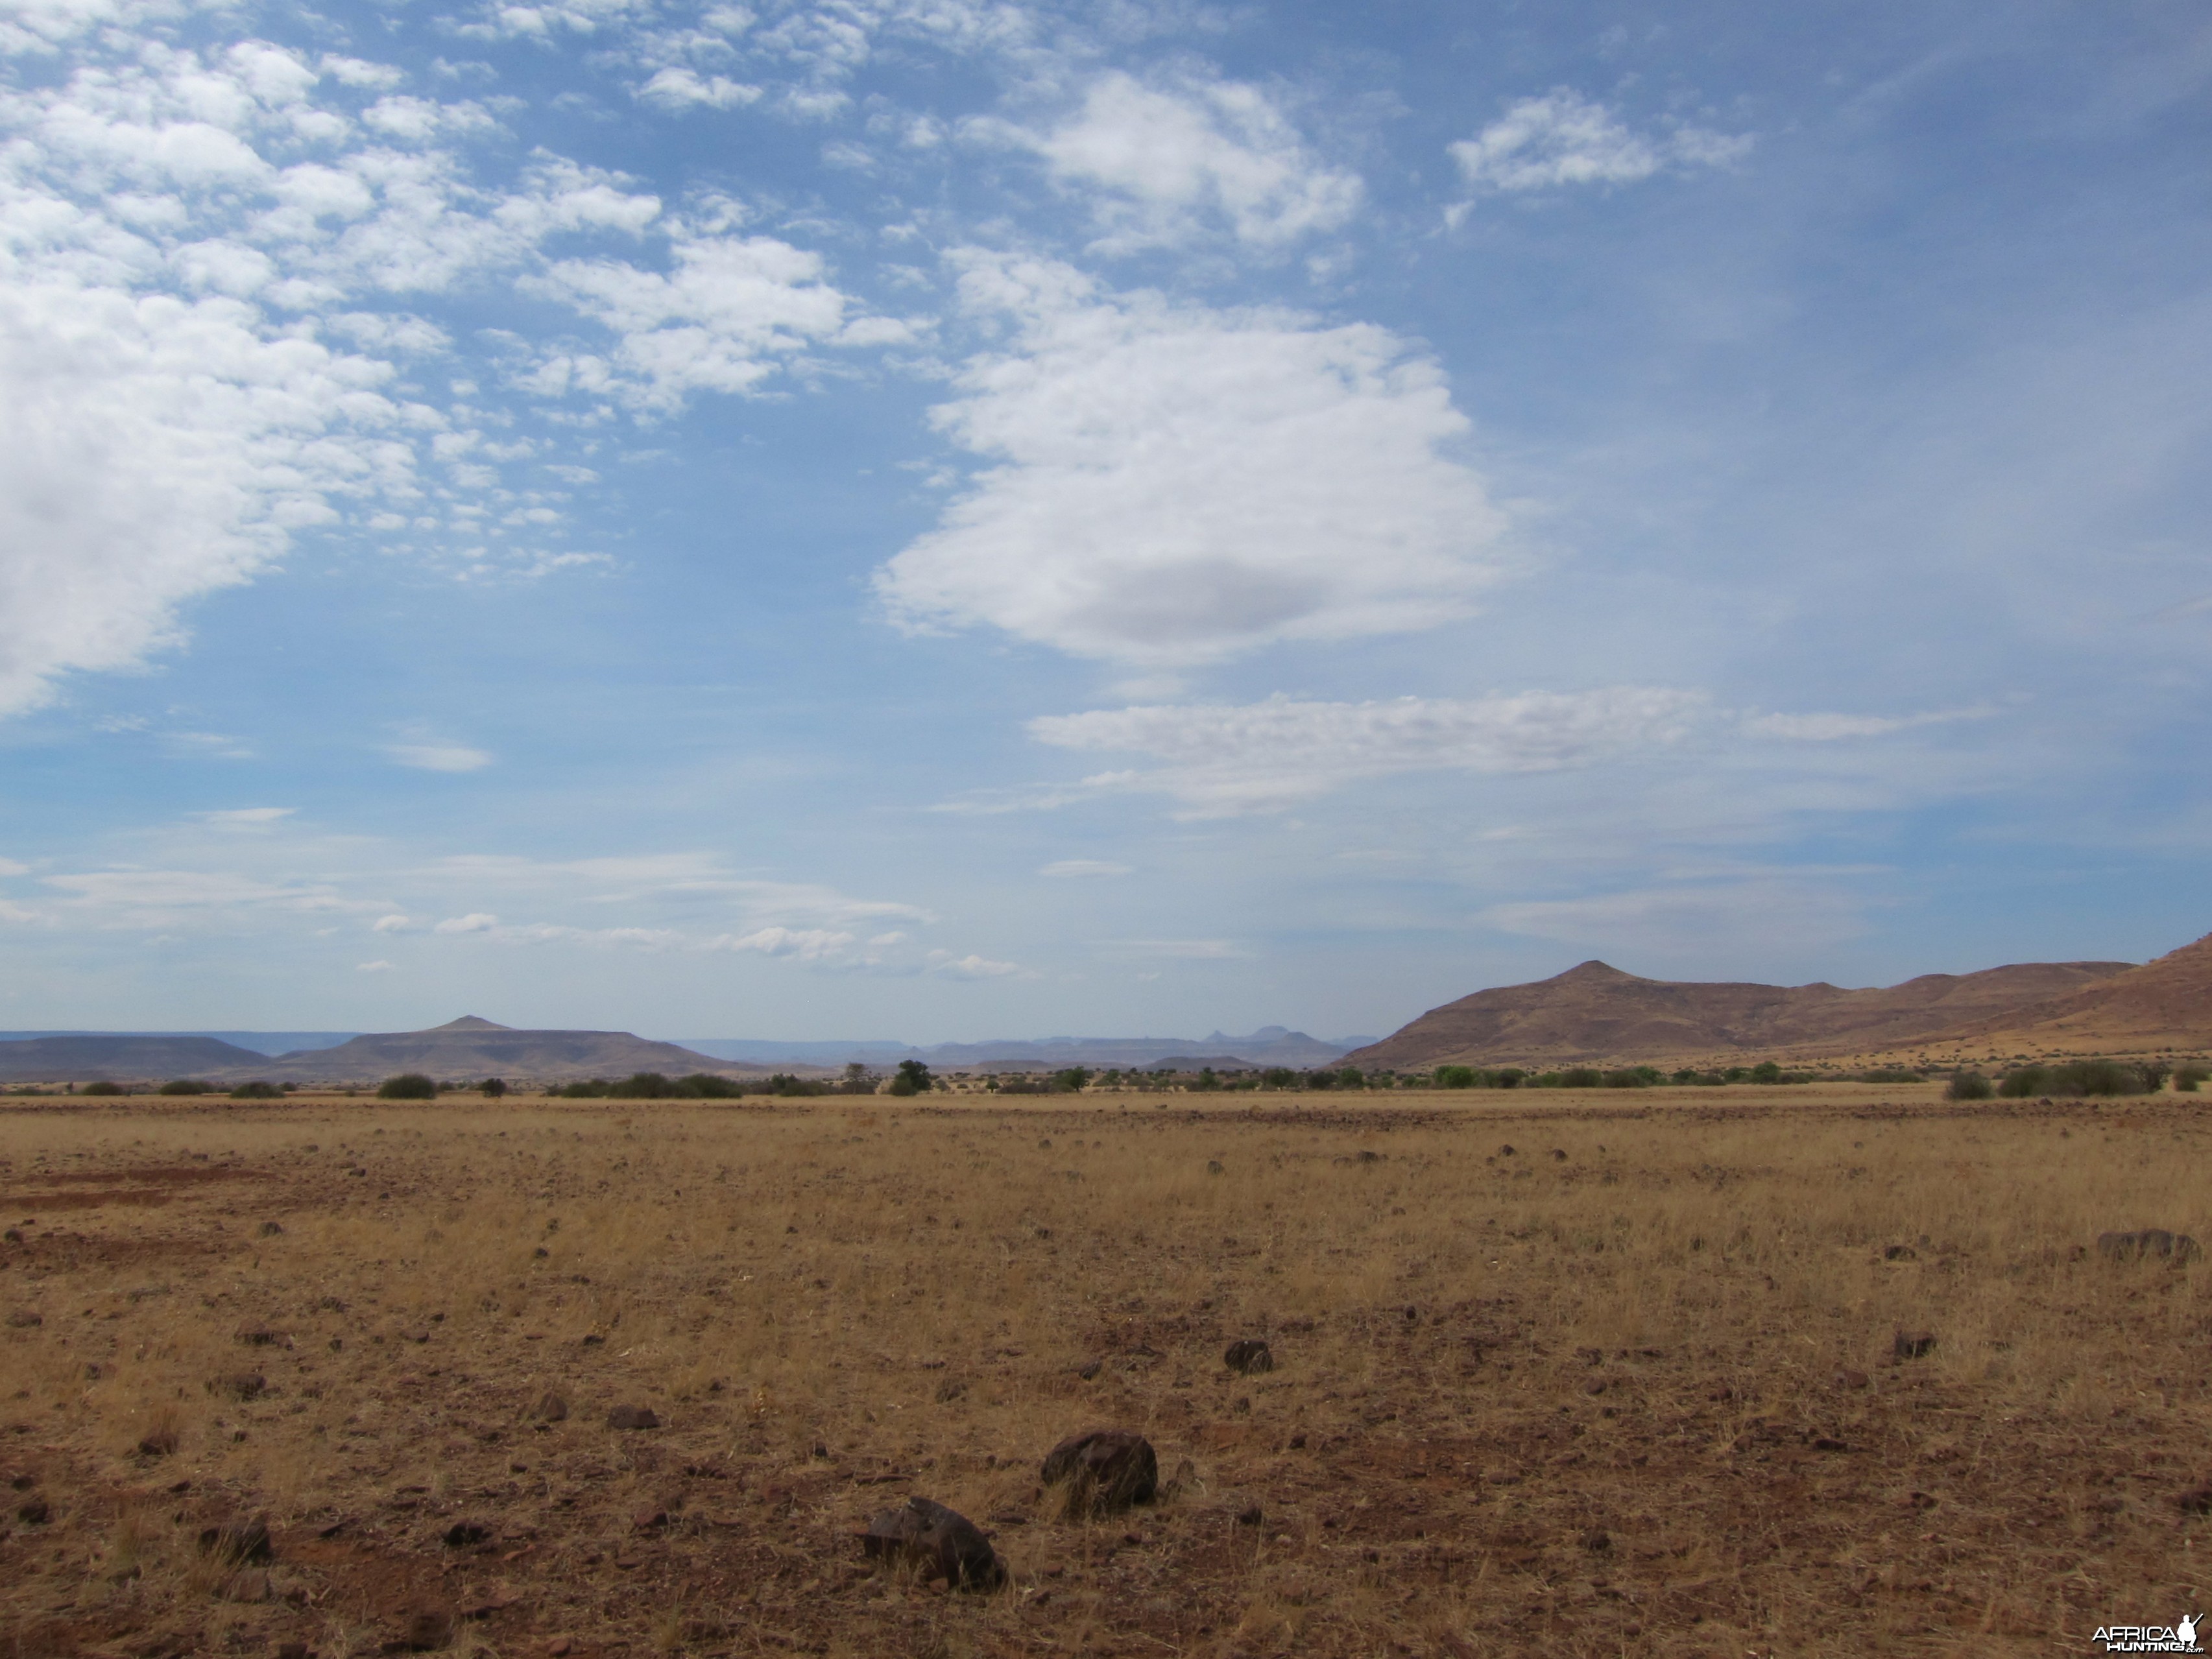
942, 1543
1105, 1469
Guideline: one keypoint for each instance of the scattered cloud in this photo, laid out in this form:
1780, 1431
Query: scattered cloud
1229, 758
379, 966
679, 88
247, 817
439, 756
1165, 164
946, 965
1173, 484
1828, 728
477, 922
1077, 868
807, 943
1563, 138
393, 924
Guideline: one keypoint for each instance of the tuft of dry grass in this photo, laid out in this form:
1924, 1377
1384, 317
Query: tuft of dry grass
1572, 1373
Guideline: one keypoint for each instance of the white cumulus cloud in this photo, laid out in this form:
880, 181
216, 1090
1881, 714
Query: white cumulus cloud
1176, 485
676, 88
1164, 164
1070, 869
477, 922
1229, 758
807, 943
944, 964
379, 966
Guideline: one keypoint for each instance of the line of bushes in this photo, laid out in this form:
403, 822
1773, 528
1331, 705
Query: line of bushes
2076, 1080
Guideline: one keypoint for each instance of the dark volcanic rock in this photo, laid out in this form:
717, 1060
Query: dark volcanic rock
241, 1385
425, 1626
550, 1408
1105, 1469
2176, 1247
941, 1542
633, 1417
1913, 1345
1248, 1356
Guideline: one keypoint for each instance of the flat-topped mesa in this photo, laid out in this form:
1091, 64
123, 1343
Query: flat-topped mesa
1595, 1013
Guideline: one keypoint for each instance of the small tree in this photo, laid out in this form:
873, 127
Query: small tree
257, 1089
103, 1087
492, 1088
184, 1086
913, 1078
408, 1085
1071, 1079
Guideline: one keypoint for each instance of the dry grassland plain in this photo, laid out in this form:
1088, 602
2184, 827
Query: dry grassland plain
1630, 1387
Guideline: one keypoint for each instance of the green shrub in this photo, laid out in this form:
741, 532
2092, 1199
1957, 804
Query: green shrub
1633, 1076
786, 1083
1279, 1077
2189, 1076
1967, 1085
408, 1085
1898, 1074
1206, 1079
1455, 1077
912, 1077
103, 1087
641, 1085
2095, 1077
1580, 1076
257, 1089
492, 1087
1071, 1079
185, 1085
2022, 1081
1765, 1071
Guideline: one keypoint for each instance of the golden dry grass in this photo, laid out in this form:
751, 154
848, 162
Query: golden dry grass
1638, 1398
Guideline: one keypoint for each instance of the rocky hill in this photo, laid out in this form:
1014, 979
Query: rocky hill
471, 1047
1595, 1013
2164, 1005
117, 1059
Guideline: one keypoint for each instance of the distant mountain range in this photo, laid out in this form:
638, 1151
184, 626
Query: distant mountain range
1271, 1045
1595, 1014
471, 1047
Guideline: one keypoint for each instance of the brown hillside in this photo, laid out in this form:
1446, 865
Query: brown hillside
1593, 1013
473, 1048
2165, 1004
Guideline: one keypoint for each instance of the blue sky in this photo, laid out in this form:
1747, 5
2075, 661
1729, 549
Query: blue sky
940, 519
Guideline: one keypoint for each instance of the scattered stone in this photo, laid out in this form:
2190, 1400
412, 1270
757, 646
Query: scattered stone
1848, 1378
239, 1542
157, 1443
2196, 1501
1248, 1356
293, 1650
649, 1519
2174, 1248
1251, 1515
271, 1229
550, 1408
1913, 1345
1597, 1539
941, 1542
461, 1534
251, 1585
1105, 1469
34, 1512
633, 1417
13, 1235
1213, 1167
1506, 1151
256, 1335
24, 1320
1089, 1372
241, 1385
427, 1627
1900, 1252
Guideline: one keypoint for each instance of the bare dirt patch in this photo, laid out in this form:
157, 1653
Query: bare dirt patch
1579, 1378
